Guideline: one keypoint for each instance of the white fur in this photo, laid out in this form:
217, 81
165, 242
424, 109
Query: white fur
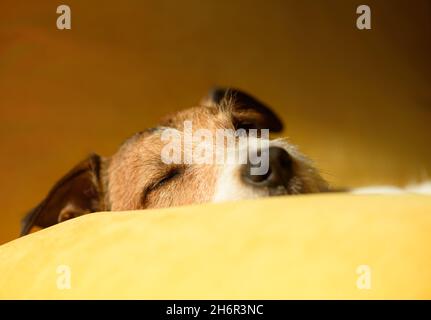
421, 188
231, 187
229, 183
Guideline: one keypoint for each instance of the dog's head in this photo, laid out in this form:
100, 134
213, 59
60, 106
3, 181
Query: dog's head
192, 156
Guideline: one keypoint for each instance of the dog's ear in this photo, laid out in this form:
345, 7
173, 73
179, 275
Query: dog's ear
77, 193
248, 112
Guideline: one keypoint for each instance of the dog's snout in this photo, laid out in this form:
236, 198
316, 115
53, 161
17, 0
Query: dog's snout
279, 172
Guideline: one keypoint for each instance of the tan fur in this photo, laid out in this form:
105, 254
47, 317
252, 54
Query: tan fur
137, 167
135, 177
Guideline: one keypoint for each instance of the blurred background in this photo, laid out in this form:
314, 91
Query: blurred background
357, 101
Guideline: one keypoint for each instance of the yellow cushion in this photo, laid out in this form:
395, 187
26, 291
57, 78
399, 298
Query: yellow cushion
277, 248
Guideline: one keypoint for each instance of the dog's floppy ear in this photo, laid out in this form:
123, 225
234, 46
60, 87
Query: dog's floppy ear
77, 193
248, 112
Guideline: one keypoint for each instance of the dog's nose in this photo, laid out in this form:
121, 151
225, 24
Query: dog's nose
279, 172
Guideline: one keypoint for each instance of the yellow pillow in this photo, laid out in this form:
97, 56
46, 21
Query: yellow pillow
317, 246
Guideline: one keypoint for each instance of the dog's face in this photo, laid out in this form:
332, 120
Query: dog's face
138, 176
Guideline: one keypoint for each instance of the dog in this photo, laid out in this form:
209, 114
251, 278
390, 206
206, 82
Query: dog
135, 178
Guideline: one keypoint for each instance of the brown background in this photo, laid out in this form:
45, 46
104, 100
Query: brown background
358, 102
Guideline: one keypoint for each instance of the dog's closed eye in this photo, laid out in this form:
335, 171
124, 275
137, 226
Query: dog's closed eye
162, 186
172, 174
